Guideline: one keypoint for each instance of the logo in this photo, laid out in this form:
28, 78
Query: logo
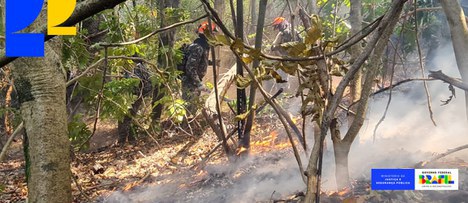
436, 179
392, 179
19, 14
414, 179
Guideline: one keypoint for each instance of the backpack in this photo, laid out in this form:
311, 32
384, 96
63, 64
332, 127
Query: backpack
288, 36
181, 66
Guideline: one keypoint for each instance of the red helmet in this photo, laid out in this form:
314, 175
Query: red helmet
205, 25
279, 23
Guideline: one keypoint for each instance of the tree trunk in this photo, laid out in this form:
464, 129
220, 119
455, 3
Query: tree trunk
312, 7
166, 40
314, 168
355, 17
241, 96
256, 63
459, 33
341, 151
40, 83
253, 15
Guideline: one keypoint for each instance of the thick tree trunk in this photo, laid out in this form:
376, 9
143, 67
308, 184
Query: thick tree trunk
40, 83
341, 151
459, 33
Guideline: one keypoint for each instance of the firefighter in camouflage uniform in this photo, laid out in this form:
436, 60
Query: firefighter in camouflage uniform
194, 67
285, 35
144, 90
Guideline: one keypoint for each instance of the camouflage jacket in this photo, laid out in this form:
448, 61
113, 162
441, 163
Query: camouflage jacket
196, 62
284, 36
141, 71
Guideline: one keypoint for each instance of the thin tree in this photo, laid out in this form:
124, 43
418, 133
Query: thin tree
256, 63
241, 96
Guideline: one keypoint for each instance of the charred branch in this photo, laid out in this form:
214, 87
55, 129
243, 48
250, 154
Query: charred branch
453, 81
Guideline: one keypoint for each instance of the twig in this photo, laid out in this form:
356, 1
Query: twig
80, 189
98, 105
400, 83
260, 108
341, 48
428, 96
215, 84
18, 131
218, 131
152, 33
391, 82
94, 65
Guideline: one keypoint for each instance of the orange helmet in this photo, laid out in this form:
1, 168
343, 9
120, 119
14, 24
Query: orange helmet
278, 21
203, 26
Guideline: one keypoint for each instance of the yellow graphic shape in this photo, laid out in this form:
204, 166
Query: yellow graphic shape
58, 11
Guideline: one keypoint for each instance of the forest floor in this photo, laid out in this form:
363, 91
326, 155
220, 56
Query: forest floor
171, 171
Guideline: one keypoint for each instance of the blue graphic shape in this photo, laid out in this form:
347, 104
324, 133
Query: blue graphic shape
19, 15
392, 179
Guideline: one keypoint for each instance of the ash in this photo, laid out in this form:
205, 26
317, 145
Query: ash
256, 178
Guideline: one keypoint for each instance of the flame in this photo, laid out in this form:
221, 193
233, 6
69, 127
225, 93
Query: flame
269, 143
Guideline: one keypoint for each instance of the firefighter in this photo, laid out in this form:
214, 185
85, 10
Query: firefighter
144, 90
284, 35
194, 67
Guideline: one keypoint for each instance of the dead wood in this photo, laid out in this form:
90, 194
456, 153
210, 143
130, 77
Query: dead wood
453, 81
223, 85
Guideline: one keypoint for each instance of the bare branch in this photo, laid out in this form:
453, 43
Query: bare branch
18, 131
453, 81
153, 33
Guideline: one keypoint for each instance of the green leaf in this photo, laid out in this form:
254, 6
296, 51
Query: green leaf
243, 116
238, 44
223, 39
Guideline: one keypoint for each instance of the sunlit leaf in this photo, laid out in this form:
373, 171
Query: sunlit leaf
294, 48
247, 59
242, 82
242, 116
315, 31
288, 67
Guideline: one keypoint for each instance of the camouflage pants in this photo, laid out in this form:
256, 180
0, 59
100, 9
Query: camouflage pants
125, 126
191, 95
